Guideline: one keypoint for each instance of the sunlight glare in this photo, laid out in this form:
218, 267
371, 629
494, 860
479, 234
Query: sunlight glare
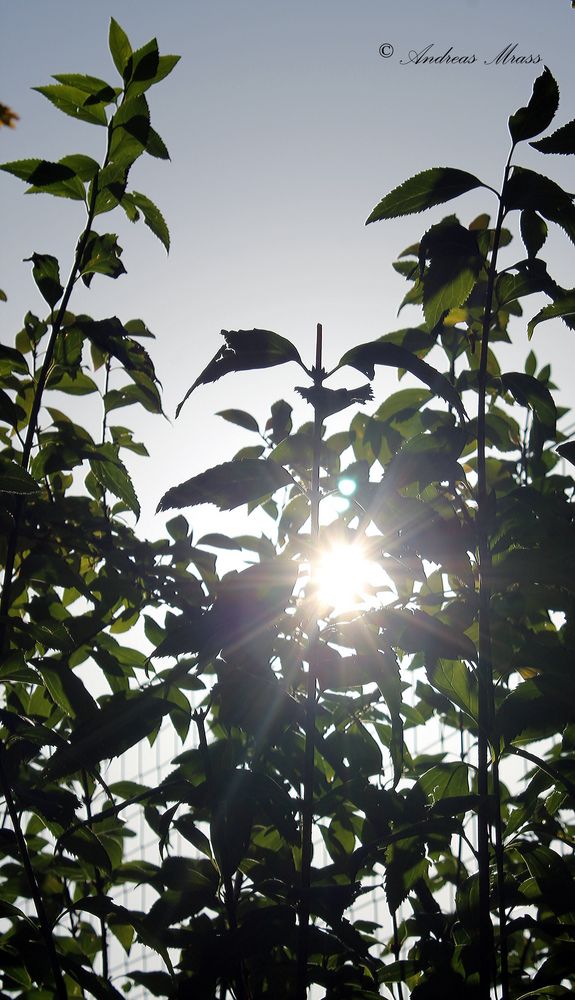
344, 577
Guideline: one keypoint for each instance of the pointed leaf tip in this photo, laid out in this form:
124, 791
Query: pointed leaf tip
246, 350
229, 485
540, 112
424, 190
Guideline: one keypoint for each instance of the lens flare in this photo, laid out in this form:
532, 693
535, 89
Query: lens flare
344, 578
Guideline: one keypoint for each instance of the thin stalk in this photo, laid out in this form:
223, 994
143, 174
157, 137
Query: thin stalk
241, 989
11, 550
486, 701
310, 712
57, 322
45, 925
100, 888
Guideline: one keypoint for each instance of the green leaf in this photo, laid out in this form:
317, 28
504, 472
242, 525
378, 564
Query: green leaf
529, 391
46, 273
562, 141
366, 356
119, 45
152, 217
245, 350
75, 103
533, 231
229, 485
15, 479
241, 418
564, 306
98, 90
540, 111
455, 264
112, 474
429, 188
39, 173
101, 256
156, 146
83, 166
142, 67
529, 190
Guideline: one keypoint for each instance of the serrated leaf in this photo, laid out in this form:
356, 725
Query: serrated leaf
229, 485
156, 146
565, 306
98, 90
245, 350
74, 102
152, 217
455, 263
533, 232
562, 141
366, 356
424, 190
39, 173
567, 451
120, 48
529, 190
112, 474
539, 113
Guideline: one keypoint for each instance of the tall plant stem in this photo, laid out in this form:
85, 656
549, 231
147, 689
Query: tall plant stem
11, 550
310, 715
486, 706
45, 926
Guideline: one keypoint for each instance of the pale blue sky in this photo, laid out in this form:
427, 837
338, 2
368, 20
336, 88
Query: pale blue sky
285, 127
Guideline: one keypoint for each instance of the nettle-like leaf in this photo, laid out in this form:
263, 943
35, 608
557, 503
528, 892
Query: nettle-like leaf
429, 188
533, 231
563, 307
39, 173
562, 141
74, 102
455, 264
366, 356
229, 485
46, 273
567, 451
328, 401
245, 350
119, 45
539, 113
152, 217
529, 391
529, 190
112, 474
101, 256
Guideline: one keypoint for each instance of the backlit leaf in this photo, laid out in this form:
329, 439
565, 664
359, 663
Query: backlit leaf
366, 356
229, 485
245, 350
539, 113
429, 188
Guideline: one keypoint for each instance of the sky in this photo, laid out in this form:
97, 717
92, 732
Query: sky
286, 124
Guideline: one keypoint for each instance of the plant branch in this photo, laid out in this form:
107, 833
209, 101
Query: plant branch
311, 694
486, 707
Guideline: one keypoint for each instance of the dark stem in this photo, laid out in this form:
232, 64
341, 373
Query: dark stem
486, 701
241, 990
99, 882
310, 706
45, 926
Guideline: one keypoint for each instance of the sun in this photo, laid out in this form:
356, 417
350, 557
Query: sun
345, 578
